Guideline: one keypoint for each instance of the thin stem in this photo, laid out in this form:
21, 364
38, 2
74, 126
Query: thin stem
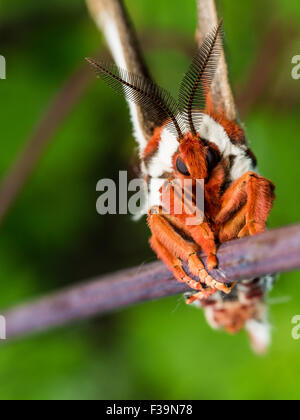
272, 252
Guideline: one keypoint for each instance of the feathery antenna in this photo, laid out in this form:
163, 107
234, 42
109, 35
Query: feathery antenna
158, 102
197, 82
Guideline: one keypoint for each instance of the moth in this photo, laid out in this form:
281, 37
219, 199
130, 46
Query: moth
191, 141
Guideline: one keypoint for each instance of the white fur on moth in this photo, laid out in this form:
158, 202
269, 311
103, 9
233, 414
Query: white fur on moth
209, 130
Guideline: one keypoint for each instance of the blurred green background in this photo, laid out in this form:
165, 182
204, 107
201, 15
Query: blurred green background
53, 237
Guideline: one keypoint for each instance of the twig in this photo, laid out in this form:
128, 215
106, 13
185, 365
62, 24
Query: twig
221, 92
272, 252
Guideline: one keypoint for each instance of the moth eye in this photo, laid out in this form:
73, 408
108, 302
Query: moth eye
181, 167
212, 159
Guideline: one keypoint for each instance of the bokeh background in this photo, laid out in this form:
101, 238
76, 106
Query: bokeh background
53, 238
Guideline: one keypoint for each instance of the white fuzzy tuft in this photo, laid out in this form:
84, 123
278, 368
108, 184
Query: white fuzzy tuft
212, 131
210, 318
154, 197
260, 335
162, 161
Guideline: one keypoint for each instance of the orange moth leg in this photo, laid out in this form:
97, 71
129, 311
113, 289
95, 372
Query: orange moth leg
231, 229
175, 266
194, 298
204, 237
200, 233
260, 192
246, 206
181, 248
234, 198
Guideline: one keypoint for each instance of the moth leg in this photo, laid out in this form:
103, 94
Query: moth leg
231, 229
260, 193
246, 206
175, 266
205, 238
193, 298
201, 233
181, 247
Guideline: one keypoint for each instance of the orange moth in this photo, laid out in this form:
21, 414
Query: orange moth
191, 141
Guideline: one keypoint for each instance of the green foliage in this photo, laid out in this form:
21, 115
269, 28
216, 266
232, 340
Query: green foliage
53, 237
